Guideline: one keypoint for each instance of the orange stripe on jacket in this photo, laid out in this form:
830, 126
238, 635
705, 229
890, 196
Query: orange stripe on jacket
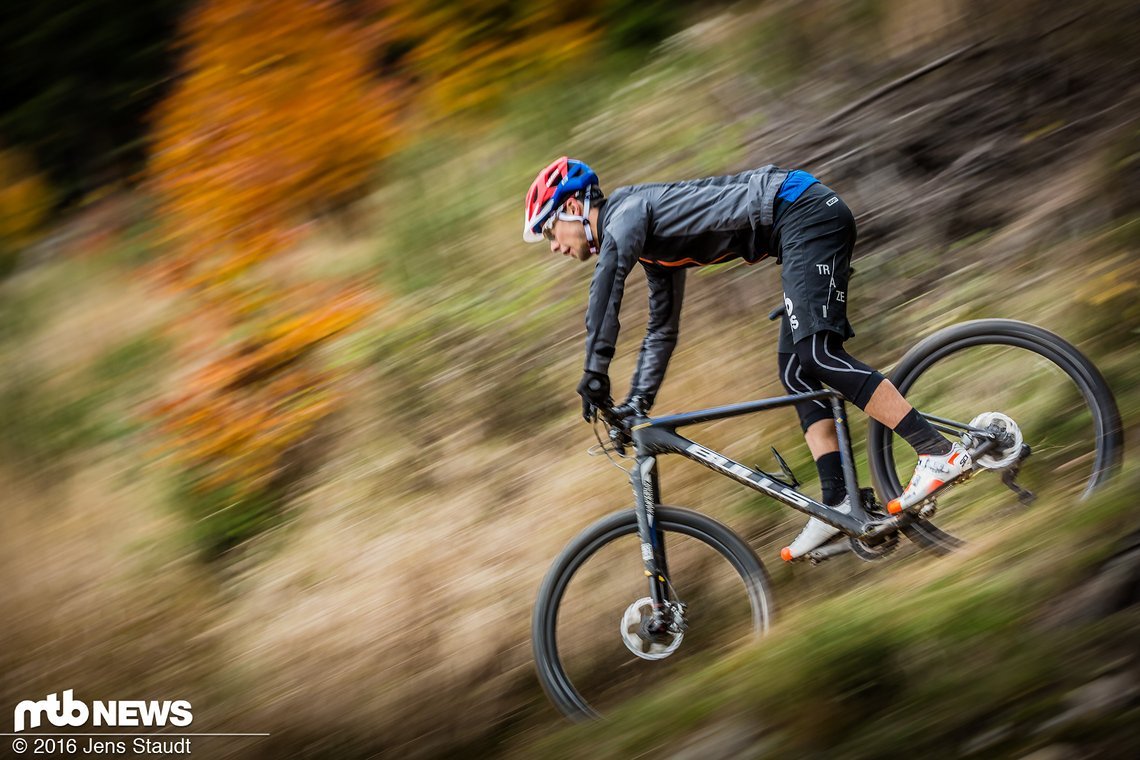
683, 262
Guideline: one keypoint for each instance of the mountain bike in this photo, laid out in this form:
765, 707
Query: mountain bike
651, 592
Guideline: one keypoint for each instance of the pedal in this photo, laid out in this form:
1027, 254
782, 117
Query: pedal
791, 476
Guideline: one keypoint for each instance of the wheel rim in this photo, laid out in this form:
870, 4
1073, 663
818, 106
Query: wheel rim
585, 665
1052, 397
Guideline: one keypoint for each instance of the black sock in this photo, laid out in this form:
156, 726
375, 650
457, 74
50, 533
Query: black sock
921, 435
830, 467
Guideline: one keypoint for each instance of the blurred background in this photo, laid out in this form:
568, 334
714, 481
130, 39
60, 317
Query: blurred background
287, 419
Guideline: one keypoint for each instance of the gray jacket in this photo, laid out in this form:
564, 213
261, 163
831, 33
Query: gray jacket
668, 227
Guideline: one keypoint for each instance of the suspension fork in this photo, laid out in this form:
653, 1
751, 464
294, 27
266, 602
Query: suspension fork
647, 495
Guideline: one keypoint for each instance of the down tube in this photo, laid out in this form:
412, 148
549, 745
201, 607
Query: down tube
643, 477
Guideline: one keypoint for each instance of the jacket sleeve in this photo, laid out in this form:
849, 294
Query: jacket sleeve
622, 243
666, 292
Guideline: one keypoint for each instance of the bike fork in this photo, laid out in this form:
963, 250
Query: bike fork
647, 494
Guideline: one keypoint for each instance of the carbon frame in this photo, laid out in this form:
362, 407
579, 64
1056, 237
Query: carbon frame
657, 436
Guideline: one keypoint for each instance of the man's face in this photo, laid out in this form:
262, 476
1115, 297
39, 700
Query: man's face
569, 238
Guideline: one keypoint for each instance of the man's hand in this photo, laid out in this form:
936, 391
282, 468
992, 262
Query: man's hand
634, 406
595, 391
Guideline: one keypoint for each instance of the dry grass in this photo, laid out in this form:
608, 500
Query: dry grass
381, 595
88, 310
391, 613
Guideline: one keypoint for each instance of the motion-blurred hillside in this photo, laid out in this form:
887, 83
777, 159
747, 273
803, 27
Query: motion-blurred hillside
308, 476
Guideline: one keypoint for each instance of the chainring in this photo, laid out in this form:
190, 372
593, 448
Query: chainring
869, 553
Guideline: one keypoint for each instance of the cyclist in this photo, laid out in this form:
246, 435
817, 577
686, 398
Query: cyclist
669, 227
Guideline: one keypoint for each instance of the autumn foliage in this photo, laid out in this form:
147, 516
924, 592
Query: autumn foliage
469, 55
276, 119
281, 113
465, 56
25, 201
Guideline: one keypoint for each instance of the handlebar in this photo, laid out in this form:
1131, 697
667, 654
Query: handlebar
619, 431
607, 415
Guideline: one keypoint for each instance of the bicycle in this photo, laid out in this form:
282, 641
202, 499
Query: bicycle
710, 590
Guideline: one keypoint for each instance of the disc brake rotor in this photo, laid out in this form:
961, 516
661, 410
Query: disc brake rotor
638, 638
1009, 434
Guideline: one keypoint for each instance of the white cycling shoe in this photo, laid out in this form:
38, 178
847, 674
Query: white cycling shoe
815, 534
932, 472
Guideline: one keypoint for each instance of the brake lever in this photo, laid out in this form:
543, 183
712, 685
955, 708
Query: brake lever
619, 435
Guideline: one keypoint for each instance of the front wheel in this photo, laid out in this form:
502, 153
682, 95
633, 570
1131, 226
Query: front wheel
1064, 408
589, 605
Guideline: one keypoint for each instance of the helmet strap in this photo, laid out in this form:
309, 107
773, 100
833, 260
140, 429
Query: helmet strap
586, 224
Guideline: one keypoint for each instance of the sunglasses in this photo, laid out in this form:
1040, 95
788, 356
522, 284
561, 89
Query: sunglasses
548, 228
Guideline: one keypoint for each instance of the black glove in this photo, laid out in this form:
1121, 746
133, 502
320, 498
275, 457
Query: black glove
634, 406
595, 391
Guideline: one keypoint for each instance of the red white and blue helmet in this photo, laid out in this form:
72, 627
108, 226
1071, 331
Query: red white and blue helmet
563, 179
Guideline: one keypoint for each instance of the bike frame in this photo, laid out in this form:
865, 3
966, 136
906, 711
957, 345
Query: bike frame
658, 436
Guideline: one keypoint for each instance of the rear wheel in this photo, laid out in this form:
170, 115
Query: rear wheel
589, 648
1060, 402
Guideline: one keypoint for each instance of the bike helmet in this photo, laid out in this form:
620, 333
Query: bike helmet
564, 178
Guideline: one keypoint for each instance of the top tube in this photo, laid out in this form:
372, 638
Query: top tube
735, 410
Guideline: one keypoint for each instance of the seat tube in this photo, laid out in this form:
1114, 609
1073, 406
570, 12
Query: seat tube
847, 455
646, 491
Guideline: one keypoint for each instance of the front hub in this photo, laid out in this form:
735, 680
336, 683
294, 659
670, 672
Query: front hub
648, 637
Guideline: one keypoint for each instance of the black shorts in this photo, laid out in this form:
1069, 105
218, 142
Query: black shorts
813, 239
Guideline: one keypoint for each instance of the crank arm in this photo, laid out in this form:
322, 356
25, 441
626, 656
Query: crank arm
829, 550
884, 525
